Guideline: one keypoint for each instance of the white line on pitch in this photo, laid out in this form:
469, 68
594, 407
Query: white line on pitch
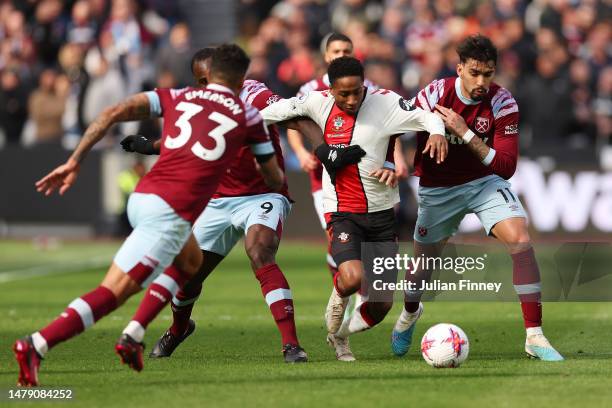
45, 270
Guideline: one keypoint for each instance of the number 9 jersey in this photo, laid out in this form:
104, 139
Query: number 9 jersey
203, 130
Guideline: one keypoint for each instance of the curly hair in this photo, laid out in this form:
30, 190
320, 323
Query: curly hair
477, 47
344, 67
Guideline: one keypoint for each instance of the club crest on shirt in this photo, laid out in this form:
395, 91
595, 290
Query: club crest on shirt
481, 124
338, 122
344, 237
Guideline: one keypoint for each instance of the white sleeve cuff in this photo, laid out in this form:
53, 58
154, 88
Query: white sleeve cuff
259, 149
487, 160
154, 104
468, 136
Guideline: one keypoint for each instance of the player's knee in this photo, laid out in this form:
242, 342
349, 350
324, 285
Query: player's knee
349, 282
518, 240
261, 255
189, 265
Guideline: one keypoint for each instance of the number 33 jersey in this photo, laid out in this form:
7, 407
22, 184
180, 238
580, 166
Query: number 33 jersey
204, 128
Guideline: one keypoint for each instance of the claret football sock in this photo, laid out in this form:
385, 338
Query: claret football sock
278, 296
156, 297
182, 306
80, 314
526, 280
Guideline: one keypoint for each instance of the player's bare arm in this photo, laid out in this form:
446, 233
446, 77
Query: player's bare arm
305, 157
272, 174
64, 176
135, 107
456, 124
401, 167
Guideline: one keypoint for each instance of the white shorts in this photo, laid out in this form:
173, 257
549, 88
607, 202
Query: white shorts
317, 198
225, 220
441, 209
159, 235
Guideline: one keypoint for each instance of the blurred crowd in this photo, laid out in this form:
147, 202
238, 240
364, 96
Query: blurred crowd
554, 55
63, 61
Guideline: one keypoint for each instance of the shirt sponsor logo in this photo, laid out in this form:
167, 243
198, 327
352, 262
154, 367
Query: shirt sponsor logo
482, 124
511, 129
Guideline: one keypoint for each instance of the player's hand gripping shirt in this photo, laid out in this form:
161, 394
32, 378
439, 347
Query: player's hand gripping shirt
494, 119
382, 115
203, 130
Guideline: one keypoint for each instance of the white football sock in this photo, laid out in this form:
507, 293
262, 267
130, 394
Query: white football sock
532, 331
354, 325
135, 330
40, 344
406, 319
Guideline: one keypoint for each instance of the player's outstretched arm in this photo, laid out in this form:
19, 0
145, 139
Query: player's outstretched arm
135, 107
405, 116
64, 176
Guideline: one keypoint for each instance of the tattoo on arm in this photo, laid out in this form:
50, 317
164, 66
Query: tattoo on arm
478, 147
135, 107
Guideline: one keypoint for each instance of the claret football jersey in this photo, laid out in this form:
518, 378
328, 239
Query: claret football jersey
494, 119
204, 128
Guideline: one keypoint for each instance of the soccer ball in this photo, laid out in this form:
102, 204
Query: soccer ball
445, 345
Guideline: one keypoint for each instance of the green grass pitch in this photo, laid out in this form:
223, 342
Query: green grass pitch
234, 359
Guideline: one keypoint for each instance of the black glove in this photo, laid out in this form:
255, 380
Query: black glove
335, 158
138, 144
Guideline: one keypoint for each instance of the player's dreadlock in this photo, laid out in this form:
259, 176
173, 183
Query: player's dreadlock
344, 67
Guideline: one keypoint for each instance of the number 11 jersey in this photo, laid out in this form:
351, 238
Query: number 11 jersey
203, 130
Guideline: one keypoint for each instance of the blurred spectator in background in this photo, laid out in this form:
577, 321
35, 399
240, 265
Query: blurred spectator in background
13, 105
82, 28
106, 85
554, 55
46, 107
175, 57
48, 31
